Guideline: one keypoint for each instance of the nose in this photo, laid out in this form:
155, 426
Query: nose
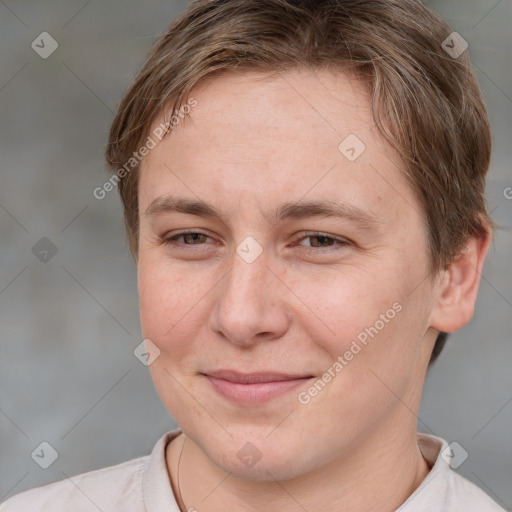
250, 303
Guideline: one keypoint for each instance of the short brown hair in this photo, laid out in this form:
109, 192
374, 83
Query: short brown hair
425, 102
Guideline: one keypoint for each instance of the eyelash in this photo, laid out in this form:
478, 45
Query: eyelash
340, 242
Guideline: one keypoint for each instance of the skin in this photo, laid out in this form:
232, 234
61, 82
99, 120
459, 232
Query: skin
253, 142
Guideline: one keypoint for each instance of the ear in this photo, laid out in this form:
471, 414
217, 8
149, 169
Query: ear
456, 293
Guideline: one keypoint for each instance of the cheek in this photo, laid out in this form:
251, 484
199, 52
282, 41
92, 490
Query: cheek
366, 321
337, 310
340, 303
170, 300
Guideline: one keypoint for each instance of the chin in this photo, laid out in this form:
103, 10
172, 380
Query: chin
267, 469
256, 457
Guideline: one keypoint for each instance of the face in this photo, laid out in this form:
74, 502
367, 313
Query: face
305, 259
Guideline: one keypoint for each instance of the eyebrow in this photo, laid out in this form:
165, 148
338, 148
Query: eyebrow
289, 210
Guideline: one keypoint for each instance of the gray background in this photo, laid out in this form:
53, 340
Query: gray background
68, 327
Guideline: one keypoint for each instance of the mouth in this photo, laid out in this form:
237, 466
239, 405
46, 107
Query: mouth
253, 387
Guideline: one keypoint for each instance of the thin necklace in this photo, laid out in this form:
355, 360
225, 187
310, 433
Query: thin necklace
178, 474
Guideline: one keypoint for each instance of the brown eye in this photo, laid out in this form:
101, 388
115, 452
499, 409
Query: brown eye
321, 240
189, 238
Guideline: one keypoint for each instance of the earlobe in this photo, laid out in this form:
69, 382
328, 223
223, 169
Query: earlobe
458, 287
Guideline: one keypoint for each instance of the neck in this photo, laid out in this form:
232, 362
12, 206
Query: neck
388, 465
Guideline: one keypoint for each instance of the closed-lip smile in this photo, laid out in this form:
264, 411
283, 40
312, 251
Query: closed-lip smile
253, 387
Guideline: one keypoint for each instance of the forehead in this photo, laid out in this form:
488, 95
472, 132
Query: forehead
265, 136
278, 104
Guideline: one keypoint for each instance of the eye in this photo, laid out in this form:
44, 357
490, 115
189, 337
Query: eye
317, 240
189, 238
322, 240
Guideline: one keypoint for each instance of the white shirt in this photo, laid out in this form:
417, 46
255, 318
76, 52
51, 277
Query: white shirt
143, 485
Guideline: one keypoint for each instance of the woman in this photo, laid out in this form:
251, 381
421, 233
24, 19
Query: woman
302, 251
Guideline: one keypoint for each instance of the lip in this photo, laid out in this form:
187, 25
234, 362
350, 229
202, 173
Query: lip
253, 387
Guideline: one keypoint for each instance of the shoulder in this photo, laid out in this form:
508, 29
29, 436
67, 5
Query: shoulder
465, 496
116, 487
443, 488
